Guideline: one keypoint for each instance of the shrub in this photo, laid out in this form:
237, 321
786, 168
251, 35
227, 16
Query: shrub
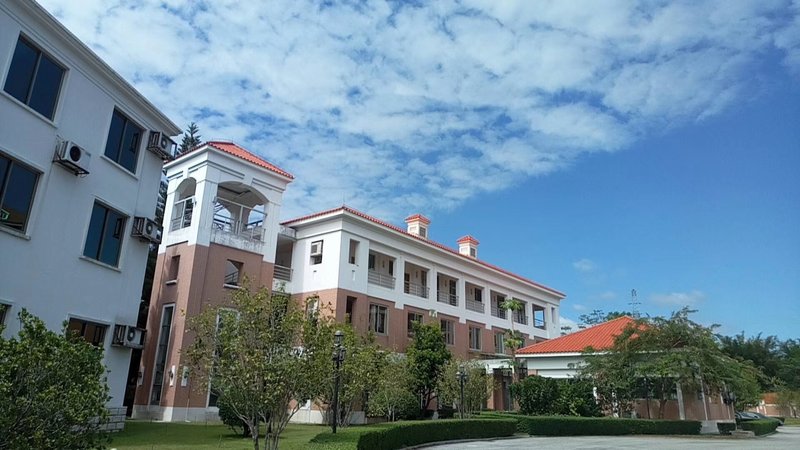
229, 418
548, 396
406, 434
760, 427
604, 426
726, 427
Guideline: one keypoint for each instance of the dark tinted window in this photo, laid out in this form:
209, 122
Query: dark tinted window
34, 78
123, 141
17, 186
93, 333
104, 238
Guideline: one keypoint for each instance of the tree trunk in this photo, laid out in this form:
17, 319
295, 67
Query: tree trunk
254, 431
662, 406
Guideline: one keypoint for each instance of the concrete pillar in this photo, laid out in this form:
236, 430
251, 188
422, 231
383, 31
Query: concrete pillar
681, 408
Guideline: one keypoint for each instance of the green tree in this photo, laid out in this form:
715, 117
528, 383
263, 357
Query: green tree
259, 352
392, 395
513, 339
762, 352
789, 365
477, 386
427, 355
599, 316
52, 390
536, 395
191, 138
667, 352
789, 399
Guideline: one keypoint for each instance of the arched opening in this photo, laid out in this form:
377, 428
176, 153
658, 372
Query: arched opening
239, 210
184, 204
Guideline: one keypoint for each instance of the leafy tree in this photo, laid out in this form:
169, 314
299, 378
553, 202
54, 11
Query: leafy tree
52, 390
477, 386
667, 352
392, 395
789, 365
427, 356
358, 373
762, 352
790, 399
191, 138
548, 396
513, 338
260, 358
599, 316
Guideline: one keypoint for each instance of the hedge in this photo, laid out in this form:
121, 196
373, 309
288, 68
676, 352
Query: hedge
406, 434
600, 426
760, 427
726, 427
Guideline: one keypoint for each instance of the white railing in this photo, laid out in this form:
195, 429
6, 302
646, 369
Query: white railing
474, 305
282, 273
446, 297
416, 289
288, 232
520, 317
539, 323
381, 279
498, 312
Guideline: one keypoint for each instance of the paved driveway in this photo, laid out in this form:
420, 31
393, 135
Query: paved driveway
785, 438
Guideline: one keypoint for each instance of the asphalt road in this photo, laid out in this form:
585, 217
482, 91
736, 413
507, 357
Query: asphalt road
785, 438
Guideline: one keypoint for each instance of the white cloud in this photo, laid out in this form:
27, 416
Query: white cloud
607, 295
578, 307
565, 322
678, 299
393, 105
584, 265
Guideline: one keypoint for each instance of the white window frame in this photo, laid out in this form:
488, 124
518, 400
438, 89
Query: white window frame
474, 337
375, 311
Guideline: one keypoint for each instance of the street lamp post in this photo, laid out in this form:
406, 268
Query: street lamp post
462, 377
338, 358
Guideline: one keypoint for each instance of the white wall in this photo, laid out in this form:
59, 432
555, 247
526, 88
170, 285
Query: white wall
43, 270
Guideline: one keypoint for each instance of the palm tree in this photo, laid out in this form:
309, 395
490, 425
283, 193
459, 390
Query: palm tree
514, 339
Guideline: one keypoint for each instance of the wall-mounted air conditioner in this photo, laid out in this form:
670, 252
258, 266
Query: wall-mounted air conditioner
128, 336
146, 230
316, 248
72, 157
162, 145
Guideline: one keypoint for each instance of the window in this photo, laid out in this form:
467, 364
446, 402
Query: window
412, 319
3, 311
182, 214
233, 270
478, 295
499, 343
353, 251
348, 312
161, 354
473, 252
377, 318
17, 186
423, 232
122, 145
448, 330
104, 239
34, 78
174, 267
93, 333
371, 262
474, 338
316, 252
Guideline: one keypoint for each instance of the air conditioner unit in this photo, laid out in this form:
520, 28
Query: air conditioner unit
161, 144
316, 248
72, 157
146, 230
128, 336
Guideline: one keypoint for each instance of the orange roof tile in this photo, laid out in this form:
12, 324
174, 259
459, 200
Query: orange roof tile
468, 238
419, 217
350, 210
599, 337
239, 152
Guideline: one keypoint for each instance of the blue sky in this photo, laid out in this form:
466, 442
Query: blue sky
596, 147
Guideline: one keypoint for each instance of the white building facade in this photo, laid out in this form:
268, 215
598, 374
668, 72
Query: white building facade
79, 182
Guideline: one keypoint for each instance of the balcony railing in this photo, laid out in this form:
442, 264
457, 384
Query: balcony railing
416, 289
288, 232
498, 312
446, 297
474, 305
248, 230
380, 279
283, 273
520, 317
539, 323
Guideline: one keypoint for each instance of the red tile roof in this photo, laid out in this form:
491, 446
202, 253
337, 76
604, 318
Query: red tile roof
239, 152
350, 210
469, 239
419, 217
599, 337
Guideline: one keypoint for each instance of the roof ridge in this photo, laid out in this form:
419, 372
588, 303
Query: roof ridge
421, 239
239, 152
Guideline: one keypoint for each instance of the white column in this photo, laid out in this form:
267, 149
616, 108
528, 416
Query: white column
461, 292
433, 285
399, 274
681, 408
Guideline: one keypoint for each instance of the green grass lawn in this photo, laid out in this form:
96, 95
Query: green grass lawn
161, 435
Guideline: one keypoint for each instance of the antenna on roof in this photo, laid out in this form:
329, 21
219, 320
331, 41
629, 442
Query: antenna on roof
634, 304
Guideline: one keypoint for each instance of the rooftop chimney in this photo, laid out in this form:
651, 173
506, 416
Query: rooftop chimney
468, 246
418, 225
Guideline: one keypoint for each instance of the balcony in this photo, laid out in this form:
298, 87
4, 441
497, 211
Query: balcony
446, 297
497, 311
474, 305
520, 317
285, 231
416, 289
380, 279
282, 273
